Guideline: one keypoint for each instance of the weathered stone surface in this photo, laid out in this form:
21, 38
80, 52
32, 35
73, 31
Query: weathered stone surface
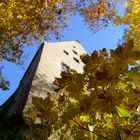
56, 57
16, 103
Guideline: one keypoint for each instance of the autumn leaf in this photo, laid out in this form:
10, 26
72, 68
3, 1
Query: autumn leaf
122, 112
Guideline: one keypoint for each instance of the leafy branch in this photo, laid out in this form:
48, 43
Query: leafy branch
132, 130
119, 133
82, 127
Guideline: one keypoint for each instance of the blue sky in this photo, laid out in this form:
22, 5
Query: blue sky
77, 30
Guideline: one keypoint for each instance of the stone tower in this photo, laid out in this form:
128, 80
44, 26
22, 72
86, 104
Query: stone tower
50, 60
56, 57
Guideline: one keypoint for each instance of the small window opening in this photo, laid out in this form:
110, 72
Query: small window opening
74, 47
76, 59
65, 67
66, 52
75, 52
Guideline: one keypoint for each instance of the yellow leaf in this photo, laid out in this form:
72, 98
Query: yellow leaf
122, 85
122, 112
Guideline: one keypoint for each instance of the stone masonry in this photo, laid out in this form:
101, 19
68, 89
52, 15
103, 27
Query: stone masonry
56, 57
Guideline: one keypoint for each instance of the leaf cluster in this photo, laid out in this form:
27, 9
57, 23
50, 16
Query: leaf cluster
102, 103
23, 21
131, 18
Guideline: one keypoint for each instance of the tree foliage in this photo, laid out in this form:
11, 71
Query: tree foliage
107, 93
4, 84
132, 19
23, 21
102, 103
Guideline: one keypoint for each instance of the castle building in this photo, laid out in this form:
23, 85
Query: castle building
50, 60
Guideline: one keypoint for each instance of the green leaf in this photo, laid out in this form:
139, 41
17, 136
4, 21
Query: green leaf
85, 118
122, 112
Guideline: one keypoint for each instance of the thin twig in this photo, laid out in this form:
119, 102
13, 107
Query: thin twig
119, 133
82, 127
88, 129
132, 130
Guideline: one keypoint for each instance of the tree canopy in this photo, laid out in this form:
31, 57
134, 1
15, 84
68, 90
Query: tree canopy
101, 103
4, 84
23, 21
132, 19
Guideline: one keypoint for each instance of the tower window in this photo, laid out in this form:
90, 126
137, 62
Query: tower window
76, 60
65, 67
75, 52
66, 52
74, 47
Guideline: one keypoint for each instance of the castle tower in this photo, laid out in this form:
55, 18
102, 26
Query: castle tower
56, 57
50, 60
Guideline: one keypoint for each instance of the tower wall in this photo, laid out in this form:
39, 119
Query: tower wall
56, 57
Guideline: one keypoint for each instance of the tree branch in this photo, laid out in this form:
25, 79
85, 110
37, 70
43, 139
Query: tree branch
119, 133
88, 129
132, 130
82, 127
